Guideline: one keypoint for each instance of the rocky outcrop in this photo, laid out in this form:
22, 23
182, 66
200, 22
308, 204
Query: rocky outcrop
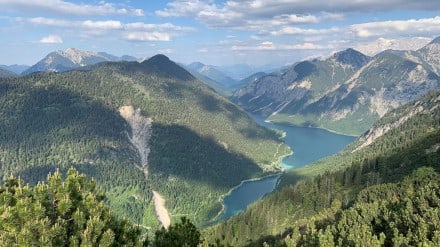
418, 107
161, 211
141, 130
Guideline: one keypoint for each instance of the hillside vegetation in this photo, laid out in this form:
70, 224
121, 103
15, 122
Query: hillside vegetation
60, 212
200, 146
70, 211
374, 193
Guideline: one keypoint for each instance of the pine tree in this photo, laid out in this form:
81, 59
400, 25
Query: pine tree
60, 213
183, 234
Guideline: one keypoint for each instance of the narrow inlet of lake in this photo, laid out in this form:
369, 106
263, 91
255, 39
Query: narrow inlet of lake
308, 145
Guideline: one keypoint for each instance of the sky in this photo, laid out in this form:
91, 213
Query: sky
227, 32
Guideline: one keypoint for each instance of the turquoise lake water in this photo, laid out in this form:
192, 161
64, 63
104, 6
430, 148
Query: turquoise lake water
308, 145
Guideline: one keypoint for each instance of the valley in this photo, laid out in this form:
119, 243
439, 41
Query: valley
219, 123
308, 145
313, 142
320, 198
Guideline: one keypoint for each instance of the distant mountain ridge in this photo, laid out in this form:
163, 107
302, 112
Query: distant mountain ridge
6, 73
212, 72
346, 92
215, 78
71, 58
16, 68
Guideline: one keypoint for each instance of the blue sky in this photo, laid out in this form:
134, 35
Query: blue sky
255, 32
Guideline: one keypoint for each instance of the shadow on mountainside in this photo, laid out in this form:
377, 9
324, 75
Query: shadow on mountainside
180, 152
55, 115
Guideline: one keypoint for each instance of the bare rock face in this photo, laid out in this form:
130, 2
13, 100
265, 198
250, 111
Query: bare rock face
418, 107
141, 130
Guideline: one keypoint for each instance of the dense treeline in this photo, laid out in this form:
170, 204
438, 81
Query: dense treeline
201, 144
341, 179
60, 213
391, 214
44, 128
71, 212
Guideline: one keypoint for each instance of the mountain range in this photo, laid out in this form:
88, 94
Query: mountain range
346, 92
162, 139
214, 78
16, 68
141, 130
7, 73
71, 58
212, 72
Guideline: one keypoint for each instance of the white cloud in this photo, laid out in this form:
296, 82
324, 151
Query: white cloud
185, 8
147, 36
301, 31
51, 39
105, 25
161, 27
273, 7
243, 15
135, 31
399, 27
294, 19
270, 46
60, 7
88, 24
397, 30
266, 14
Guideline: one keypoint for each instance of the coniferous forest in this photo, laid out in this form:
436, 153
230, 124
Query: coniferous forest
71, 211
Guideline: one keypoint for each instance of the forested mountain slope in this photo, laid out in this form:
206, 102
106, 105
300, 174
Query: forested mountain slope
380, 171
6, 73
134, 127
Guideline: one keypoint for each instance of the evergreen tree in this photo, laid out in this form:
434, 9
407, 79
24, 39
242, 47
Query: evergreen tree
59, 212
183, 234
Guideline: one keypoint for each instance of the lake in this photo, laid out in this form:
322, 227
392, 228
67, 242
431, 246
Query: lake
308, 145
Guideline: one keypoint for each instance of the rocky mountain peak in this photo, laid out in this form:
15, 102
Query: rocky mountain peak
351, 57
158, 59
71, 58
76, 55
161, 64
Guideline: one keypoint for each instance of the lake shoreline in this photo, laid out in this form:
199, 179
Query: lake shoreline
222, 197
312, 127
307, 144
